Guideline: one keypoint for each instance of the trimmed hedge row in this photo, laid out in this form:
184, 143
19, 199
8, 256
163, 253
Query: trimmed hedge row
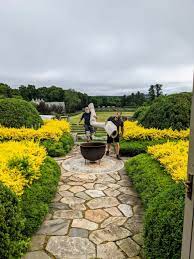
36, 199
20, 218
133, 148
163, 200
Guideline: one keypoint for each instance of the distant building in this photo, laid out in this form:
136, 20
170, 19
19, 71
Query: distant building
50, 104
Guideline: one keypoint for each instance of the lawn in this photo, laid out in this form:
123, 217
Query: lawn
102, 116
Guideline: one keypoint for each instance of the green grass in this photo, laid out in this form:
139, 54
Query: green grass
102, 116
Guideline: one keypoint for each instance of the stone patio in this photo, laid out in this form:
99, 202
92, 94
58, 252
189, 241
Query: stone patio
95, 214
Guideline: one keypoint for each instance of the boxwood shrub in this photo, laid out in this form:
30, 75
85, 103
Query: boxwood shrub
36, 199
12, 242
163, 200
58, 148
21, 217
171, 111
16, 113
136, 147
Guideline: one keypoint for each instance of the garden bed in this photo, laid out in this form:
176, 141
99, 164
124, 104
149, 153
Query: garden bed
163, 200
28, 180
21, 216
158, 170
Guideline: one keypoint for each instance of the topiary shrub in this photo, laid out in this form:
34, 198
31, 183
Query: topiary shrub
171, 111
140, 112
36, 199
13, 243
16, 113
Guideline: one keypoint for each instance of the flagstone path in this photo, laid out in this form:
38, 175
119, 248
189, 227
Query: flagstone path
93, 215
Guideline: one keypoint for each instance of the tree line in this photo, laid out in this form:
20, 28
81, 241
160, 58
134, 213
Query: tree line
74, 100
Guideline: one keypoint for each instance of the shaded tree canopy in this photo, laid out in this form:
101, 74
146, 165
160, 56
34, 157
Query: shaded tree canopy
74, 100
155, 91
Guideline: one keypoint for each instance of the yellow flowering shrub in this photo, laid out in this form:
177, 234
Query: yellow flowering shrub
20, 164
52, 129
136, 132
173, 156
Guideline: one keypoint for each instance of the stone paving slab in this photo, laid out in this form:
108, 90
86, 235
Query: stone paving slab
93, 215
110, 233
54, 227
130, 247
71, 247
37, 242
109, 251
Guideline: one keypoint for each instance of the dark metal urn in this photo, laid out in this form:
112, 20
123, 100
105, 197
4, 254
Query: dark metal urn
93, 151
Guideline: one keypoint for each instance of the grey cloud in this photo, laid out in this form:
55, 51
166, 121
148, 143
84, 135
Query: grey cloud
99, 47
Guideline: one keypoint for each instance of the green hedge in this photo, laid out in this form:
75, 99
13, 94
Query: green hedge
20, 218
133, 148
16, 113
59, 148
163, 200
171, 111
36, 199
12, 242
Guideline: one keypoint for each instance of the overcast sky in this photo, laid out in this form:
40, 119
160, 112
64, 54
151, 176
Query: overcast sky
100, 47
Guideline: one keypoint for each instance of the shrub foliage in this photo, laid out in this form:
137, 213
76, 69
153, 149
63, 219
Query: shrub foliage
13, 243
58, 148
36, 199
136, 147
163, 200
171, 111
20, 164
21, 217
16, 113
133, 131
140, 112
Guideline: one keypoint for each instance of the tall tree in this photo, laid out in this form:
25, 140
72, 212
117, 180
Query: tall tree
5, 91
158, 88
123, 101
55, 94
72, 100
151, 93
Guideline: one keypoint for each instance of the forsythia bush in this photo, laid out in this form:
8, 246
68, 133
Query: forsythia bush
173, 156
20, 164
136, 132
52, 129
